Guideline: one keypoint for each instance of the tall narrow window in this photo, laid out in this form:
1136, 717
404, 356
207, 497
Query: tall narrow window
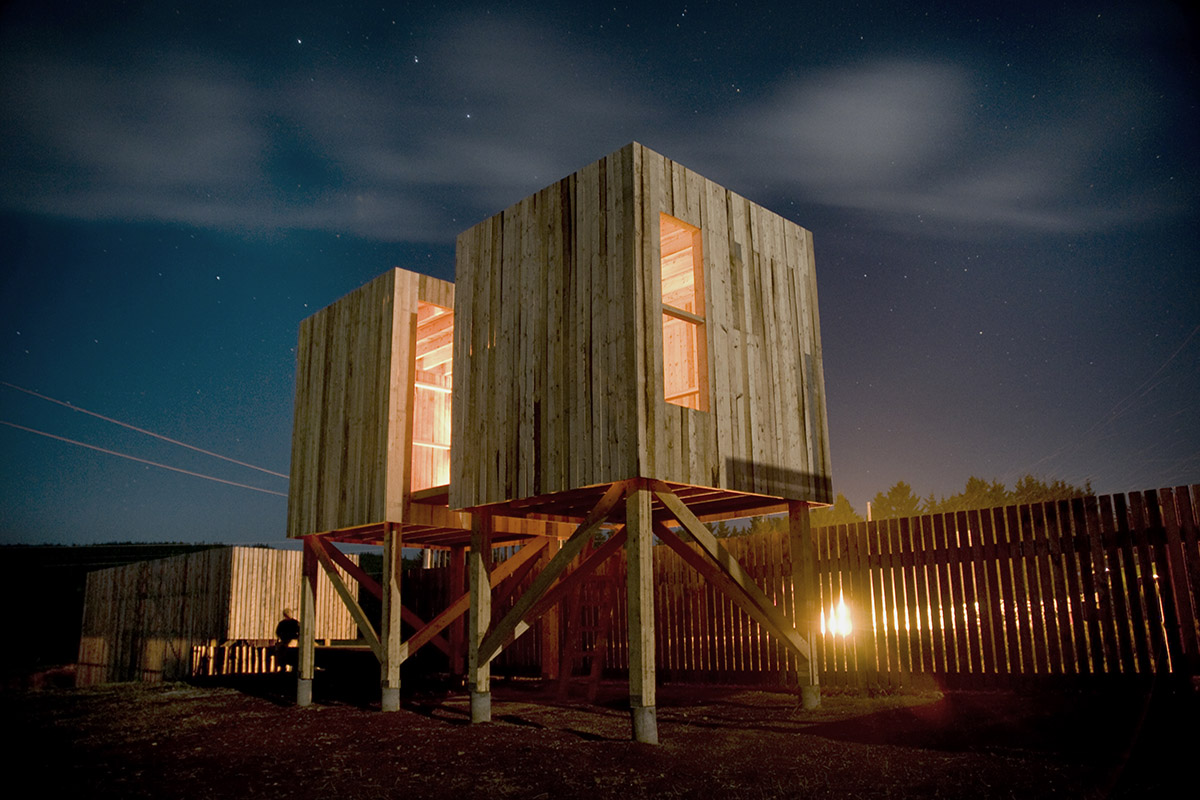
431, 397
685, 358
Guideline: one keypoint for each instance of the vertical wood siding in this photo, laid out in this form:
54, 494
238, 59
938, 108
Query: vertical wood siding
351, 436
141, 622
559, 345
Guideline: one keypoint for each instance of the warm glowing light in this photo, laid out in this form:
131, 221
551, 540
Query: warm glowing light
837, 623
432, 385
685, 360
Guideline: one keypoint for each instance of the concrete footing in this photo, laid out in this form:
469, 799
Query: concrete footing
481, 706
390, 698
645, 724
810, 697
304, 692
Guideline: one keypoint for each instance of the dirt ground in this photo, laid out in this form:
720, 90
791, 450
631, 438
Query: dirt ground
248, 740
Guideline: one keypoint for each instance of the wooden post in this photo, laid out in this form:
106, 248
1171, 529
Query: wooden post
390, 620
308, 624
458, 568
480, 590
804, 594
551, 632
639, 550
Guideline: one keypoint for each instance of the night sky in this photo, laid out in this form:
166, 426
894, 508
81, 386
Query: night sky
1003, 199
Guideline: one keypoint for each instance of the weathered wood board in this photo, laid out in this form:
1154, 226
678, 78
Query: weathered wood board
559, 326
141, 621
358, 363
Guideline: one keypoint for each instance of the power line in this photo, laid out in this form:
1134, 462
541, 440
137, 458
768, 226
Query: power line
140, 460
141, 430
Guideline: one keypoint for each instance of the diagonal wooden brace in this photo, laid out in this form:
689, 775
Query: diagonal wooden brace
554, 593
360, 617
459, 607
352, 569
740, 586
515, 618
371, 585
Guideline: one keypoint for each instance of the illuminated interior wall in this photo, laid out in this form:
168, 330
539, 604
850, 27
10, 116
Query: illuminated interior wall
685, 361
431, 397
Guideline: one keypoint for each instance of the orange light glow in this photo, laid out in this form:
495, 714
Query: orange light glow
432, 385
837, 622
685, 355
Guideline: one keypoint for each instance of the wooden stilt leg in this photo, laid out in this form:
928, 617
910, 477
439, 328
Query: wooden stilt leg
640, 589
390, 621
551, 629
478, 567
308, 624
458, 566
804, 593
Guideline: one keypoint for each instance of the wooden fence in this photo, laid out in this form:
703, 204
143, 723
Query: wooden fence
1092, 586
206, 612
1095, 586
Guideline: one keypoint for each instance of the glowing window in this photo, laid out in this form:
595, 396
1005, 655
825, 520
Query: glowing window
685, 358
431, 397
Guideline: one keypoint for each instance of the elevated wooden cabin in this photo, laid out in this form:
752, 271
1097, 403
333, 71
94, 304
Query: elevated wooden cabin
634, 349
638, 348
635, 319
371, 460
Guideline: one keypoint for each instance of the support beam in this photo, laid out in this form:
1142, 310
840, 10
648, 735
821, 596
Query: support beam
804, 598
360, 617
458, 575
410, 618
639, 550
556, 592
455, 610
354, 570
308, 625
514, 622
390, 620
711, 571
480, 591
586, 567
551, 631
694, 529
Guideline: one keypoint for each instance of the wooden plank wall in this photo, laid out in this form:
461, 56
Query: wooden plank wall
558, 344
1067, 590
766, 431
351, 440
544, 303
142, 621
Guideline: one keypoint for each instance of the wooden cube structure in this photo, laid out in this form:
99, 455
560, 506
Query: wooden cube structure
633, 349
635, 319
372, 416
371, 463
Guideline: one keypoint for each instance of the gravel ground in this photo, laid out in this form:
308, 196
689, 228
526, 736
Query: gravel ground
248, 741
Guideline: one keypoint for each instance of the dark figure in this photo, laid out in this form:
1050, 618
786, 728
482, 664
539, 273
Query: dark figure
286, 632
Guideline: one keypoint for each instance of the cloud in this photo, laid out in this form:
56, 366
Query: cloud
860, 127
493, 110
487, 115
910, 140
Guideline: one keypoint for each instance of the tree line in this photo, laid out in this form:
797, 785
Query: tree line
901, 501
